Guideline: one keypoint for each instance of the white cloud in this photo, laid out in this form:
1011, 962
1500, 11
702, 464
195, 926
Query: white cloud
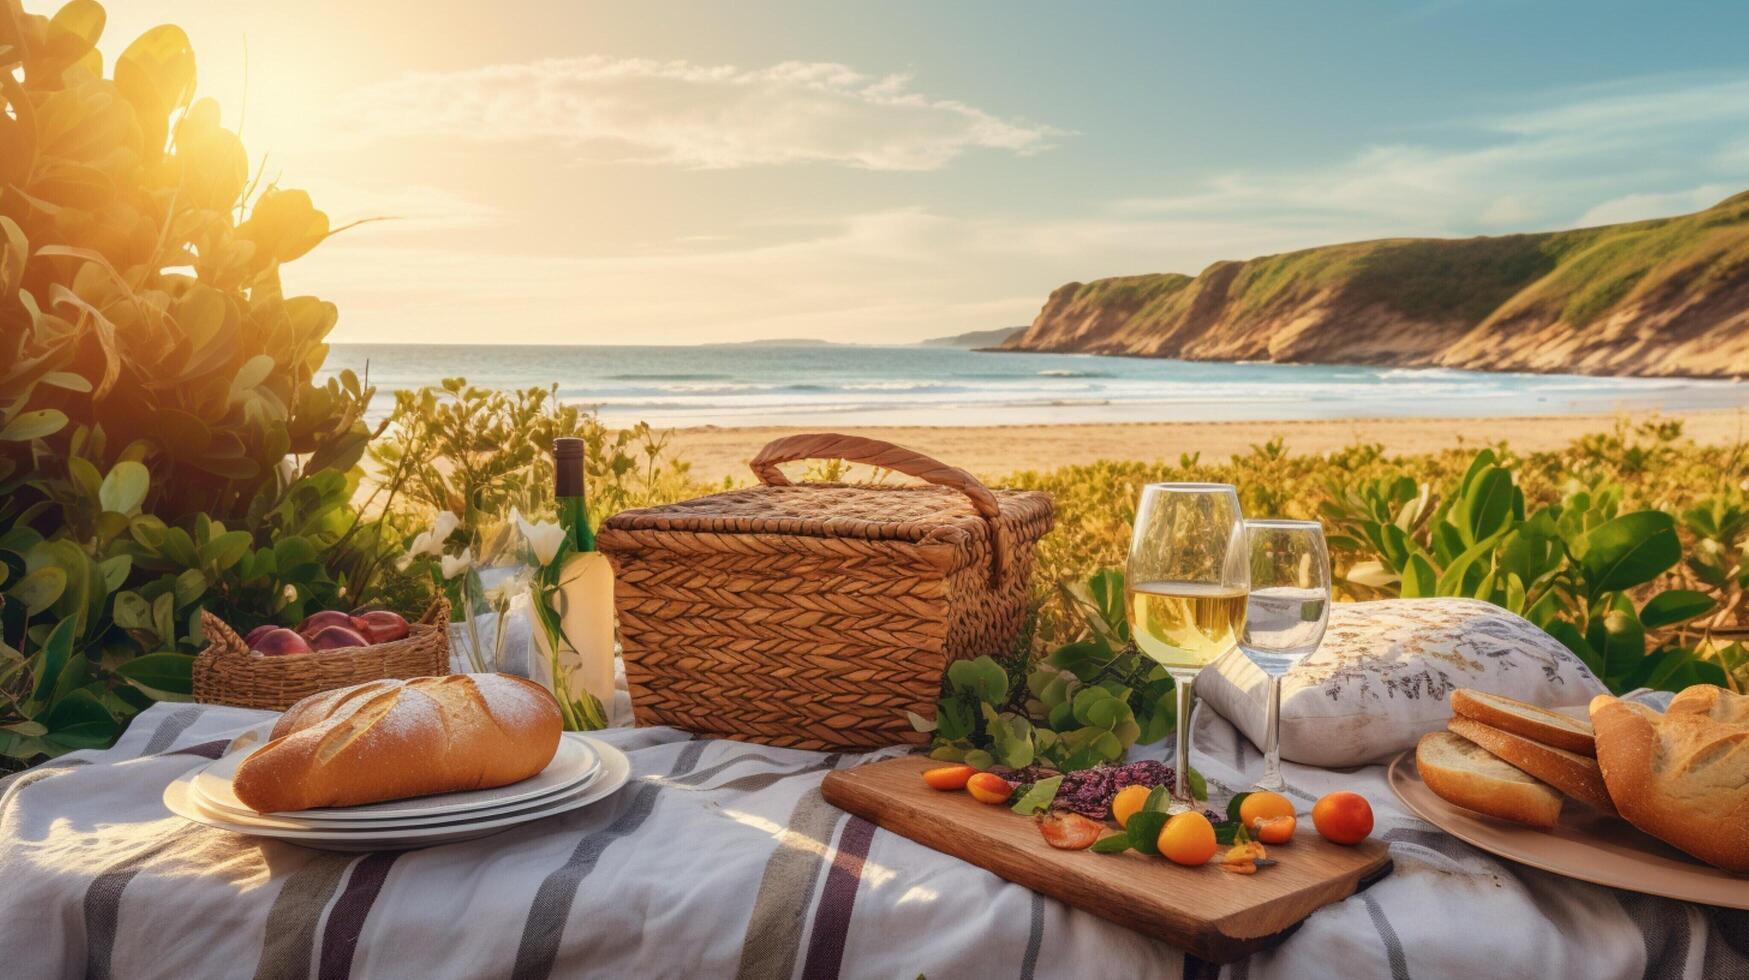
1567, 163
683, 114
1638, 207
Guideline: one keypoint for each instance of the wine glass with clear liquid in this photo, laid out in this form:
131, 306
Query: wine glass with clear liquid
1285, 615
1185, 585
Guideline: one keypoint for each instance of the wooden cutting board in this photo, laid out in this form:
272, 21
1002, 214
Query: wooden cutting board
1215, 915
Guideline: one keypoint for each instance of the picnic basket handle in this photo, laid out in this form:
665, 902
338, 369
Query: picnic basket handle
874, 452
856, 449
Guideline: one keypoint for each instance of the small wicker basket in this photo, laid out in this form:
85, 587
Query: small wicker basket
227, 673
814, 616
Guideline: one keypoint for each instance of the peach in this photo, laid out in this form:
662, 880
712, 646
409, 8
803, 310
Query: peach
987, 787
948, 777
279, 641
254, 636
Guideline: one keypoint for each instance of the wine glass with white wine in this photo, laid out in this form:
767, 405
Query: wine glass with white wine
1286, 614
1186, 584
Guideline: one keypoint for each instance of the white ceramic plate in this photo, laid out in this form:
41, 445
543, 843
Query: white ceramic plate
573, 764
615, 770
1584, 844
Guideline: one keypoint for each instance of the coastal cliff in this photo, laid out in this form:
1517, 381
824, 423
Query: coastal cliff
1668, 296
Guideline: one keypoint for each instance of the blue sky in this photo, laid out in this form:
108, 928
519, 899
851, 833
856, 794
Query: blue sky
681, 172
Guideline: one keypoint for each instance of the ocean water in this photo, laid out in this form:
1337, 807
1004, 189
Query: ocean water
852, 385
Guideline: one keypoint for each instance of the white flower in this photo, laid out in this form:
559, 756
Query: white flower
454, 565
430, 541
545, 538
500, 595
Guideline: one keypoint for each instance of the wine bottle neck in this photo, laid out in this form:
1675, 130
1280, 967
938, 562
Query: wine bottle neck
569, 493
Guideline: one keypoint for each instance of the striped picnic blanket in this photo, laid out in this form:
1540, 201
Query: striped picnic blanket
721, 859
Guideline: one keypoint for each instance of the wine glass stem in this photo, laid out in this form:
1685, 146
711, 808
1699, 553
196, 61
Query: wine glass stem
1272, 780
1182, 797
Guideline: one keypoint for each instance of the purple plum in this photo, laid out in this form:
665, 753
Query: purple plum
279, 641
317, 622
380, 625
336, 637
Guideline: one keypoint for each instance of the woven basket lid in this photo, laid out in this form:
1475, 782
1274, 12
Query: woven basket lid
954, 508
838, 510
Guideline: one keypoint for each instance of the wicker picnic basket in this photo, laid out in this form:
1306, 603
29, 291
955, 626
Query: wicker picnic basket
227, 673
815, 615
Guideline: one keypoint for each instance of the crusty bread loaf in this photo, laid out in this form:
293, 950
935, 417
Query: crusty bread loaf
1525, 719
1460, 771
1571, 773
1681, 776
391, 739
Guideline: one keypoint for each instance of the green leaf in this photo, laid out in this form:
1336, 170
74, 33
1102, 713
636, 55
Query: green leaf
1144, 830
115, 571
1629, 550
919, 723
67, 381
190, 586
1674, 606
40, 589
80, 721
52, 658
132, 612
1199, 787
226, 550
1158, 799
1420, 581
1039, 796
1234, 804
1113, 844
164, 676
1620, 643
124, 489
26, 426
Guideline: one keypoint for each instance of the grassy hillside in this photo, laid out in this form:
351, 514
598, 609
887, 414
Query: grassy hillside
1666, 296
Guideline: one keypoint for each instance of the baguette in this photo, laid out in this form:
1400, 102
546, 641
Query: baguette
392, 739
1460, 771
1571, 773
1525, 719
1682, 776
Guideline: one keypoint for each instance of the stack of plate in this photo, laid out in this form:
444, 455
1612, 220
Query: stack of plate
583, 771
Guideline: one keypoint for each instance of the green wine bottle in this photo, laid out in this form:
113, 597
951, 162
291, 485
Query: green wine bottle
568, 492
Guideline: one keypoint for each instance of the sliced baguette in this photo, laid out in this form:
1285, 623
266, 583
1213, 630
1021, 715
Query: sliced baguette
1460, 771
1525, 719
1573, 774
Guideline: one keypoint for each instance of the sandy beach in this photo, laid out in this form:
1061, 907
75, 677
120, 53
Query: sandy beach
718, 452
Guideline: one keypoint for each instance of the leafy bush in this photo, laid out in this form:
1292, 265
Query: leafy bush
1083, 704
163, 443
1540, 514
479, 453
1569, 567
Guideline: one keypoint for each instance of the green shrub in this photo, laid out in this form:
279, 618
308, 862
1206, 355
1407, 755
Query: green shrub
164, 446
1542, 514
